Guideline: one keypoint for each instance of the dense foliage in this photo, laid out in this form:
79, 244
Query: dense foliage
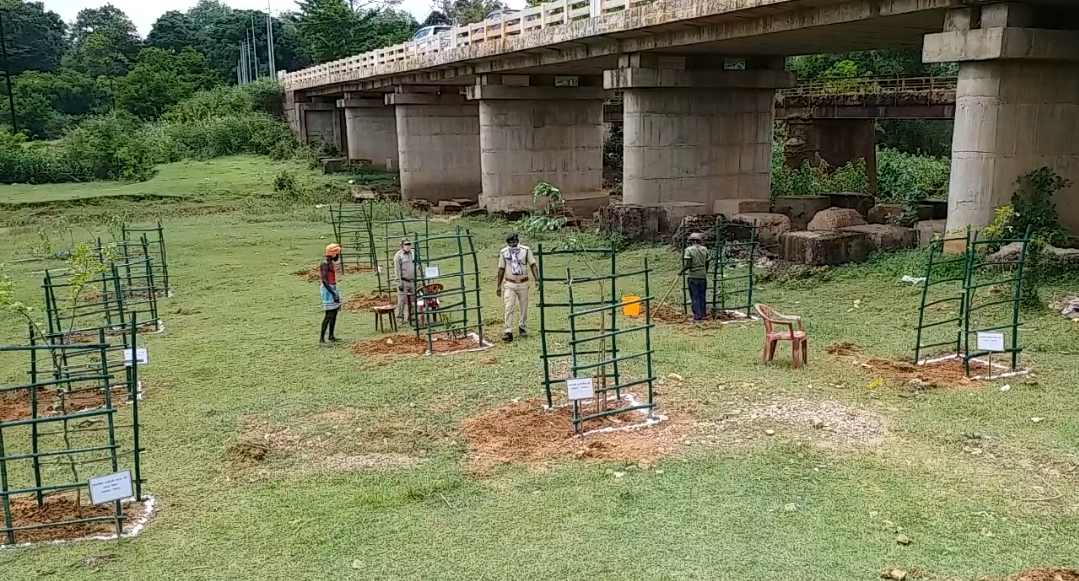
119, 145
100, 65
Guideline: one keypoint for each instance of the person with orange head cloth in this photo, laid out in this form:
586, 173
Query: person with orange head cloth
331, 300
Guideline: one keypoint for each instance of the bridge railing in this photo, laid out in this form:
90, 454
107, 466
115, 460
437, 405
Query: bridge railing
824, 89
531, 19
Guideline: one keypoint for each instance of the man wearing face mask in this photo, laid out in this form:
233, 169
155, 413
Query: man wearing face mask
331, 300
512, 282
404, 272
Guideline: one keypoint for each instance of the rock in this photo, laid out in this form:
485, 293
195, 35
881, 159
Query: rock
1061, 256
902, 540
334, 165
769, 226
740, 206
892, 213
361, 192
895, 574
939, 207
853, 200
887, 237
835, 218
770, 432
928, 230
632, 222
825, 248
465, 202
801, 209
1071, 309
420, 205
448, 207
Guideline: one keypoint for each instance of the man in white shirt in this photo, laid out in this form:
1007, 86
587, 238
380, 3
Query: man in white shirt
513, 262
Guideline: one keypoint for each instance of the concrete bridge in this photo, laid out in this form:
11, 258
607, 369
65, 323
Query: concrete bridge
492, 108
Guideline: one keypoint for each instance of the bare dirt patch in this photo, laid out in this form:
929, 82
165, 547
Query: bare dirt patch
665, 313
525, 433
18, 405
949, 373
58, 508
1050, 574
313, 274
329, 441
365, 303
383, 350
832, 419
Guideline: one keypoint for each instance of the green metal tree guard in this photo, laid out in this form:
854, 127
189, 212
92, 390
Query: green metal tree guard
733, 243
138, 283
447, 274
151, 243
966, 274
72, 309
391, 232
594, 337
352, 229
52, 450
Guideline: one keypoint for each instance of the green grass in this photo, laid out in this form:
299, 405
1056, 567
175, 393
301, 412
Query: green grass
241, 342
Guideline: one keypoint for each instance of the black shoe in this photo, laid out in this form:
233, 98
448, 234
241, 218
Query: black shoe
334, 340
522, 332
507, 337
323, 342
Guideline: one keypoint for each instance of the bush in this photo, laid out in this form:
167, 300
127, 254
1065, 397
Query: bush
899, 174
110, 147
33, 163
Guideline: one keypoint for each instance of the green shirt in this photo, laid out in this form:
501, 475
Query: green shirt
697, 257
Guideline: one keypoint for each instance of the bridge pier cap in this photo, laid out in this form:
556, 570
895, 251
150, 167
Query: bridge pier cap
1017, 104
695, 131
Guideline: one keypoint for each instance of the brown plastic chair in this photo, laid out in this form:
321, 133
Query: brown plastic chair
797, 337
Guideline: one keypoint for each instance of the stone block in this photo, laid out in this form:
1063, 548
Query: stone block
853, 200
801, 209
742, 206
334, 165
448, 207
887, 237
677, 212
815, 248
940, 209
769, 226
641, 223
890, 213
835, 218
928, 229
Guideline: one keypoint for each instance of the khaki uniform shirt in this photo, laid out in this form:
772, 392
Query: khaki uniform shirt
525, 259
404, 268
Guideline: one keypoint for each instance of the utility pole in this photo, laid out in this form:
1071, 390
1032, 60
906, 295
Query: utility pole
269, 42
7, 76
254, 47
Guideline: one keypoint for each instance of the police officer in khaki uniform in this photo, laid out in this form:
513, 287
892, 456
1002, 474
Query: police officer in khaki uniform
404, 274
514, 262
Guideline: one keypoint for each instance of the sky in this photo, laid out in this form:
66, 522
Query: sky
144, 12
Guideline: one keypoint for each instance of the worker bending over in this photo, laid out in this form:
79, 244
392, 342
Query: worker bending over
331, 299
513, 283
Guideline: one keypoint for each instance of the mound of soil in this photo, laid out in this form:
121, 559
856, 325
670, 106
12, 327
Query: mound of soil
58, 508
405, 345
313, 274
665, 313
17, 405
526, 433
365, 302
1050, 574
946, 373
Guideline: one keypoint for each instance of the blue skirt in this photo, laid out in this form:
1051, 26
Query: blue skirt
328, 303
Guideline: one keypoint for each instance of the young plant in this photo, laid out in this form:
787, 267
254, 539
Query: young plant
553, 216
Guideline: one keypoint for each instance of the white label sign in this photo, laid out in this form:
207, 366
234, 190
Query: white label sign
430, 272
141, 356
111, 487
991, 342
579, 388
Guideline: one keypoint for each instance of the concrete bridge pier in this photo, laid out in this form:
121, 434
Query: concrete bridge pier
1017, 105
438, 142
316, 122
695, 130
370, 131
540, 129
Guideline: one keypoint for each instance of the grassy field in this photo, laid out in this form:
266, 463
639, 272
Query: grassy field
978, 487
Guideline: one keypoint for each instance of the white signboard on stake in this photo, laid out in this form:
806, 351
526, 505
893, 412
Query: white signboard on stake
430, 272
993, 342
111, 487
142, 356
579, 388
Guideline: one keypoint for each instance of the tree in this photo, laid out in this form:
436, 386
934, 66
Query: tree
461, 12
207, 12
436, 18
220, 42
105, 41
49, 103
163, 78
331, 29
173, 31
36, 38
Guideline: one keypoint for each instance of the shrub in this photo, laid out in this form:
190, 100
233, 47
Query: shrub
899, 174
110, 147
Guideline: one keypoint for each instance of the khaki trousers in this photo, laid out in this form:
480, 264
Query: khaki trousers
402, 299
515, 294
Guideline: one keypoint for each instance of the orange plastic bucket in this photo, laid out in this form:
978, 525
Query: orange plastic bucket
631, 306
